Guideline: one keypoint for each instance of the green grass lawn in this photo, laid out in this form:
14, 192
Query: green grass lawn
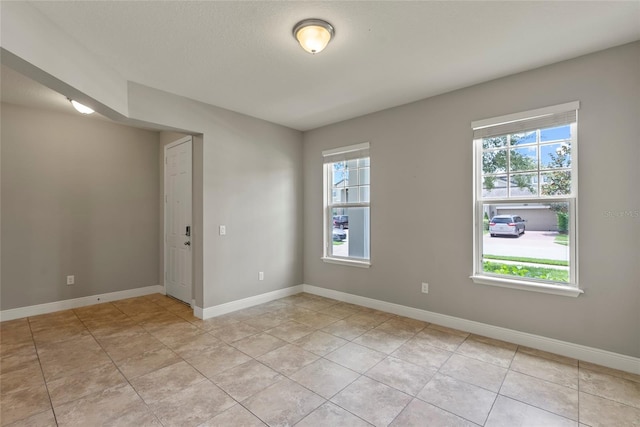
526, 271
562, 239
530, 260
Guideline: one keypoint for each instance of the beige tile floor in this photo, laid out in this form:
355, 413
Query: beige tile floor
302, 360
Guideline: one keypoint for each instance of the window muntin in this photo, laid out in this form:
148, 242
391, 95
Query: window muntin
347, 199
513, 168
524, 167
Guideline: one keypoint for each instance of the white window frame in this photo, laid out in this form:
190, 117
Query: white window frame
513, 121
331, 156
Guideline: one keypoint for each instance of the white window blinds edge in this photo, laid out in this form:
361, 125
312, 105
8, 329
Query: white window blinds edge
349, 152
526, 121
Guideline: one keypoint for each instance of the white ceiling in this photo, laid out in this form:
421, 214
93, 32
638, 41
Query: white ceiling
241, 55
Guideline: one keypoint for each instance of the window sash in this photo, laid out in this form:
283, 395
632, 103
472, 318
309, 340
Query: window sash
352, 152
478, 268
347, 206
565, 114
539, 171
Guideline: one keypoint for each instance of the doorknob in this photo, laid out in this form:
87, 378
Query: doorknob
187, 243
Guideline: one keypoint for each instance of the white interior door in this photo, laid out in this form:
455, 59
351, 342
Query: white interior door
177, 219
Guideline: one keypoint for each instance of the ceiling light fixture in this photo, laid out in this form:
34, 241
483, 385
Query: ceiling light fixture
313, 34
80, 107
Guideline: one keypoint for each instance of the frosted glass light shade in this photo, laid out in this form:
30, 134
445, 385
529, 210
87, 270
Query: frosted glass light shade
313, 34
81, 108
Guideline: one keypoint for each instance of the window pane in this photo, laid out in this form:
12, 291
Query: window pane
352, 195
338, 174
350, 233
556, 133
364, 193
494, 142
556, 183
524, 138
523, 184
523, 159
364, 162
347, 179
555, 156
363, 176
494, 186
494, 161
352, 176
339, 195
527, 240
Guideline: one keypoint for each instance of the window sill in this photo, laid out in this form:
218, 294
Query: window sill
349, 262
527, 286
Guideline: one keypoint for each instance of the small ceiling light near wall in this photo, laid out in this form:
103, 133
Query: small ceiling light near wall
313, 34
80, 107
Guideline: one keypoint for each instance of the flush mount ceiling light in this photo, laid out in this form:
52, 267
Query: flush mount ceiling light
80, 107
313, 34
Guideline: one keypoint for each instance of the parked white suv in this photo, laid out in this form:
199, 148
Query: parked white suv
510, 225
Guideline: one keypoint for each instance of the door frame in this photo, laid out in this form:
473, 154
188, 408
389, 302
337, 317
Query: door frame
165, 247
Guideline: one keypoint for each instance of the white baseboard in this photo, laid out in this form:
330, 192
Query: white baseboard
229, 307
563, 348
34, 310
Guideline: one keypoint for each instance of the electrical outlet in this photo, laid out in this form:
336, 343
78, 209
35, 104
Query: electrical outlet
261, 275
71, 280
425, 288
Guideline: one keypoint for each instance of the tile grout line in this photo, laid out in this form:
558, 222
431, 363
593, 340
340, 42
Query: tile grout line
509, 368
534, 405
438, 372
115, 364
118, 367
231, 344
501, 385
279, 373
46, 386
360, 375
326, 400
183, 360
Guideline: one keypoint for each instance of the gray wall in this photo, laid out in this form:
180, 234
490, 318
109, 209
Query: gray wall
416, 148
79, 196
251, 181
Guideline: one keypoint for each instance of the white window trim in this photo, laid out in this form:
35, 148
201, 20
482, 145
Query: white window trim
346, 261
568, 291
524, 115
571, 290
348, 149
327, 185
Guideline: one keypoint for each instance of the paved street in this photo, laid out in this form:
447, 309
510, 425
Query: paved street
532, 244
343, 249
